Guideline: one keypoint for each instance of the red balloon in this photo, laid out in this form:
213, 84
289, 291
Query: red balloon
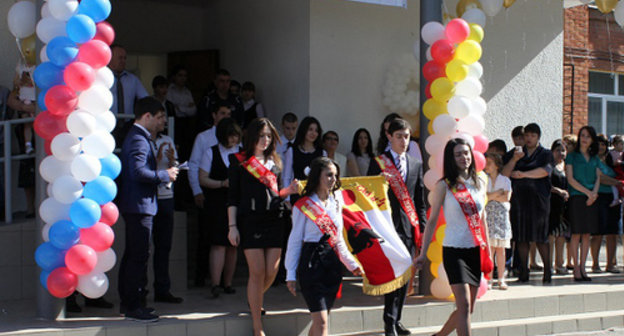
95, 53
110, 214
47, 147
428, 90
81, 259
457, 30
442, 51
433, 70
481, 143
61, 100
47, 125
79, 76
104, 32
479, 160
99, 237
62, 282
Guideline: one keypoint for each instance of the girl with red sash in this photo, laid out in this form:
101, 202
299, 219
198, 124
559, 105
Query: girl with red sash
256, 210
465, 253
316, 246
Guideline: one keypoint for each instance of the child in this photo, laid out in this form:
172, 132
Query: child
497, 213
615, 161
26, 94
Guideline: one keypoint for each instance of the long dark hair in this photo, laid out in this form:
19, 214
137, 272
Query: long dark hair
252, 136
303, 129
314, 178
355, 146
593, 148
382, 143
451, 172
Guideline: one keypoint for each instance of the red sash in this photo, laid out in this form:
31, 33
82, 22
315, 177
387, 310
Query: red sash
469, 208
400, 191
318, 215
259, 171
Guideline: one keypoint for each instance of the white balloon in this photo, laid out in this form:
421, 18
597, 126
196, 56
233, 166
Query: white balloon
45, 11
105, 260
81, 123
432, 31
434, 145
93, 285
431, 177
428, 54
459, 106
473, 124
475, 70
49, 28
65, 146
467, 137
99, 144
62, 9
67, 189
106, 121
479, 106
49, 190
492, 7
45, 232
469, 87
444, 125
440, 288
96, 99
86, 167
618, 13
22, 18
475, 15
52, 168
105, 77
52, 211
43, 55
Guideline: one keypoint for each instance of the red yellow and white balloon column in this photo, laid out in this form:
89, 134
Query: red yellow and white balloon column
454, 106
80, 166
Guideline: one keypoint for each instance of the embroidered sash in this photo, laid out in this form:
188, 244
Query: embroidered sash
259, 171
400, 191
318, 215
469, 208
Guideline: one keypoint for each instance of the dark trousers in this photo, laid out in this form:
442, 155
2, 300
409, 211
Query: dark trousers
133, 268
393, 302
203, 246
162, 235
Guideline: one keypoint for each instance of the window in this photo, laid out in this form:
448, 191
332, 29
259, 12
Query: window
605, 110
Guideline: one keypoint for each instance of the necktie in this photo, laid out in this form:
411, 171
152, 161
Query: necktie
120, 96
401, 166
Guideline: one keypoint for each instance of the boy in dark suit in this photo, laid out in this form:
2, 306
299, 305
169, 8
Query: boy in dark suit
411, 173
137, 204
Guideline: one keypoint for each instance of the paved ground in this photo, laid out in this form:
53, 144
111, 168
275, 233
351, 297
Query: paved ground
610, 332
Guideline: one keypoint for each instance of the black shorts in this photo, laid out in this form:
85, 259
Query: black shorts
462, 265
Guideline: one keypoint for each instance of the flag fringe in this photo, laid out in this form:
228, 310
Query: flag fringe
387, 287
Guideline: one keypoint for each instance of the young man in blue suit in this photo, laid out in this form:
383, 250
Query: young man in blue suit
137, 204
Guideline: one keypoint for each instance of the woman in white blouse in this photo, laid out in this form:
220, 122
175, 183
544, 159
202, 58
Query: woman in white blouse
314, 257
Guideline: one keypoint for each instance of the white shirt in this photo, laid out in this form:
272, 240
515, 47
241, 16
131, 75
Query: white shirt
132, 90
457, 233
259, 109
283, 147
396, 157
341, 160
165, 190
182, 99
206, 161
413, 150
203, 142
305, 230
502, 182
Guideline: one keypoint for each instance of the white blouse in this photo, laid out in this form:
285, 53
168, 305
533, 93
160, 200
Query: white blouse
305, 230
457, 232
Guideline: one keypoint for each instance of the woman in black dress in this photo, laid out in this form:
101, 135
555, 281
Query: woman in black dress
213, 177
530, 170
256, 210
558, 229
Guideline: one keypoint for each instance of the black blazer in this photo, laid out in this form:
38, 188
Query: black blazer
416, 189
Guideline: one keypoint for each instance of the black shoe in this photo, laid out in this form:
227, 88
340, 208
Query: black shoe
71, 306
98, 303
141, 315
390, 330
401, 330
229, 290
167, 298
123, 310
585, 278
214, 291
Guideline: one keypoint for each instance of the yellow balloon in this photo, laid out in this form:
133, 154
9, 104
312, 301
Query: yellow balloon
476, 33
508, 3
28, 45
439, 235
468, 51
433, 108
442, 89
434, 253
456, 70
433, 267
606, 6
464, 5
430, 127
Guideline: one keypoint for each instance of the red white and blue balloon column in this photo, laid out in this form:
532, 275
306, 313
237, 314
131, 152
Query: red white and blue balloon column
80, 167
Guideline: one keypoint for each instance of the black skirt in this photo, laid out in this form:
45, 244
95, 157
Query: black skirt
261, 230
320, 274
462, 265
608, 223
583, 219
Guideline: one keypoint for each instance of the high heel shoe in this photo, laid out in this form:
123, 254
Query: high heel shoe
585, 278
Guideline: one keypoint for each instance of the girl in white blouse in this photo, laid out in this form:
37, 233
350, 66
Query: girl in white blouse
314, 257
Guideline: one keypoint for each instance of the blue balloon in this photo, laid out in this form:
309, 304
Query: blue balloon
43, 278
41, 100
84, 213
47, 75
61, 51
80, 28
49, 257
98, 10
111, 166
102, 190
64, 234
